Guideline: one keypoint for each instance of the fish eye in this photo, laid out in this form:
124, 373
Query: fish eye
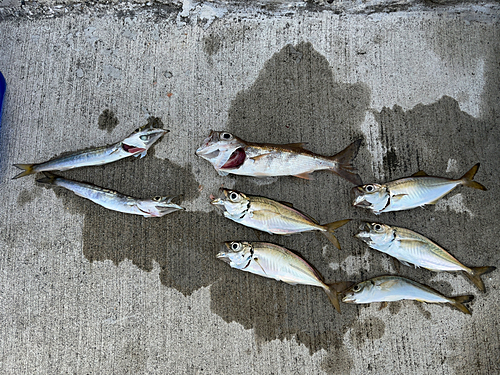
144, 137
369, 188
157, 198
233, 196
226, 136
235, 246
356, 288
377, 227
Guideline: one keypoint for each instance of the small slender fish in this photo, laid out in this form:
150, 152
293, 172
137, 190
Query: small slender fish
230, 154
410, 192
270, 216
410, 247
136, 144
112, 200
276, 262
395, 288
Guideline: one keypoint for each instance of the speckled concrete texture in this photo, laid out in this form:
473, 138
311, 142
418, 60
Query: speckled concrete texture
84, 290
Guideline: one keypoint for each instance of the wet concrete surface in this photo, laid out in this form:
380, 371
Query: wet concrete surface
152, 287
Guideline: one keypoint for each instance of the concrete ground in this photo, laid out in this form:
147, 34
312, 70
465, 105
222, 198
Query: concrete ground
84, 290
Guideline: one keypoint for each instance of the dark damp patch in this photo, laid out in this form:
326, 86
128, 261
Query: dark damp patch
27, 196
107, 120
296, 98
155, 122
421, 308
211, 44
337, 361
394, 307
390, 161
369, 329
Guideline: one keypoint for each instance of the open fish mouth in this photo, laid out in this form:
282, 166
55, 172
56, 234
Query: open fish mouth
236, 159
132, 149
224, 257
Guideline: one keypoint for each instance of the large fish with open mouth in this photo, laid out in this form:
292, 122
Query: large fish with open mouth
396, 288
276, 262
410, 192
112, 200
136, 144
271, 216
230, 154
410, 247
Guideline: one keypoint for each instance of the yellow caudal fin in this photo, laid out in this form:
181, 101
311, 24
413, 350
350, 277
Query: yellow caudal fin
335, 290
344, 167
475, 276
458, 302
330, 228
467, 179
27, 170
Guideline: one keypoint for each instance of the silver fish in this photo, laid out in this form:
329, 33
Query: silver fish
410, 192
112, 200
136, 144
395, 288
410, 247
276, 262
270, 216
230, 154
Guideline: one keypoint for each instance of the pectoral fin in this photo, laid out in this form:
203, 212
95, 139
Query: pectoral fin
387, 285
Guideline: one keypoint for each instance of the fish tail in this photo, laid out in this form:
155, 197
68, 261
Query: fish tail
27, 170
343, 163
458, 302
334, 292
330, 228
48, 179
475, 276
467, 179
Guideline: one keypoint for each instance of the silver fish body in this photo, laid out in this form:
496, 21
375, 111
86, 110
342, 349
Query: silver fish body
410, 192
276, 262
396, 288
271, 216
136, 144
112, 200
230, 154
412, 248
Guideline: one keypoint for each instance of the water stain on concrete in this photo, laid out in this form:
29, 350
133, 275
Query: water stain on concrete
369, 329
394, 307
107, 120
294, 99
27, 196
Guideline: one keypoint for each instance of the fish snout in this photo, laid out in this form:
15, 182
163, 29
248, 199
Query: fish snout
348, 297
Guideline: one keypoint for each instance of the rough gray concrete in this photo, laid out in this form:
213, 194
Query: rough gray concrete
84, 290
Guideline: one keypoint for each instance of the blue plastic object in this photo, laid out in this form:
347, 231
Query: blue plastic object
3, 85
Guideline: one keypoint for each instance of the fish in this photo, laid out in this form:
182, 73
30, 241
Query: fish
410, 192
276, 262
155, 207
396, 288
230, 154
412, 248
271, 216
136, 144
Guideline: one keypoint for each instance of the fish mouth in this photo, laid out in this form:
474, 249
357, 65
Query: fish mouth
168, 209
224, 257
132, 149
236, 159
364, 230
348, 298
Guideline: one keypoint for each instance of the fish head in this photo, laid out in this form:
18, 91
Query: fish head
237, 253
142, 139
234, 202
371, 196
359, 293
158, 206
376, 234
223, 150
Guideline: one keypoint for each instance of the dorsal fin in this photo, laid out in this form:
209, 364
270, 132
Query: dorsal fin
286, 204
419, 174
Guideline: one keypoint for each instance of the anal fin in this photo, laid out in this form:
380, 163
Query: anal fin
305, 176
